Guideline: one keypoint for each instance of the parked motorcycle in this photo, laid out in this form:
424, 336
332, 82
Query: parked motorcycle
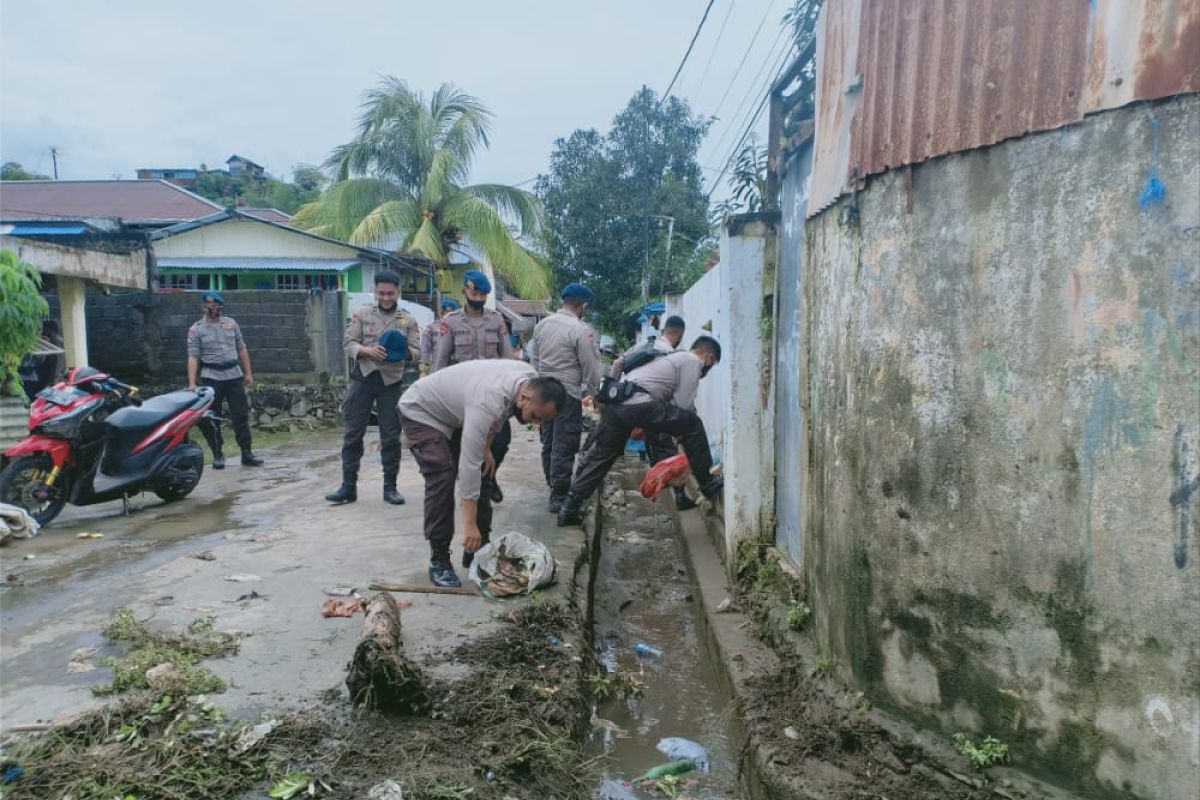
92, 439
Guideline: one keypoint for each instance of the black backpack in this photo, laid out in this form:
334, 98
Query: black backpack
640, 357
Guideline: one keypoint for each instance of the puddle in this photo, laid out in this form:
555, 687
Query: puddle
644, 595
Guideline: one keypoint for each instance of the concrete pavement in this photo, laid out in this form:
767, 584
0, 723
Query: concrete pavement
270, 522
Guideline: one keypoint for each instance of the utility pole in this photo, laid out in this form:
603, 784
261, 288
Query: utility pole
54, 158
670, 235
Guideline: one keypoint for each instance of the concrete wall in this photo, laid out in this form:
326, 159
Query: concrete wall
142, 337
1002, 376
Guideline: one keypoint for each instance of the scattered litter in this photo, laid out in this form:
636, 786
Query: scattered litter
89, 535
339, 608
671, 471
165, 600
608, 726
676, 748
30, 556
12, 772
680, 767
198, 609
725, 606
80, 660
205, 555
791, 732
340, 591
615, 790
643, 650
491, 776
242, 578
15, 522
554, 640
252, 736
511, 565
253, 595
388, 790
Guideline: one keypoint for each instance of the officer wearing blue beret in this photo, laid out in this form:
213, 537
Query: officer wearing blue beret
217, 355
429, 335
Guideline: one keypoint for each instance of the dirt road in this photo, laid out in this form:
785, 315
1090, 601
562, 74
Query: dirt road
271, 527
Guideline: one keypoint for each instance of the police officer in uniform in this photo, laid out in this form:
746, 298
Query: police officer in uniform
381, 339
476, 332
429, 335
661, 445
661, 399
217, 353
564, 347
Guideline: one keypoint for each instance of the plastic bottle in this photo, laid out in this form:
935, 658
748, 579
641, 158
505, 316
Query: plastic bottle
643, 650
675, 748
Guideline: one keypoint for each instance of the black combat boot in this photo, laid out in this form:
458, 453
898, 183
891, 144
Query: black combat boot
571, 512
494, 491
682, 501
346, 493
440, 571
250, 460
712, 490
391, 494
556, 503
218, 461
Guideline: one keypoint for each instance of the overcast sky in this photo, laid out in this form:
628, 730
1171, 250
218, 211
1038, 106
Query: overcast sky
122, 84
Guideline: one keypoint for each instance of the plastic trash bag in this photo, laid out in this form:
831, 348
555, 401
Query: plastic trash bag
678, 749
15, 522
512, 564
671, 471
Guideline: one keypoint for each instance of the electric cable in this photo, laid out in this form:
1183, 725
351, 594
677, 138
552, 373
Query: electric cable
692, 44
772, 64
716, 46
745, 55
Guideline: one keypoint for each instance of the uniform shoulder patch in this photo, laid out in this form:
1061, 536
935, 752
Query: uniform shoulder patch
443, 327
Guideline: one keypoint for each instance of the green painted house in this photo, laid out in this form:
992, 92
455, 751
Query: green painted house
235, 250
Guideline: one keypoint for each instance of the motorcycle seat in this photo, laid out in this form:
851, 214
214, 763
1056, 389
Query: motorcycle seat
153, 411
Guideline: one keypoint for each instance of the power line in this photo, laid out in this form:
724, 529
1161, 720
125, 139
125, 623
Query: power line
692, 44
745, 55
749, 127
771, 64
715, 48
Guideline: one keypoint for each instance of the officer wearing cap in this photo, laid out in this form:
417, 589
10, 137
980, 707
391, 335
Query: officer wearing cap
217, 354
429, 336
474, 332
564, 347
381, 339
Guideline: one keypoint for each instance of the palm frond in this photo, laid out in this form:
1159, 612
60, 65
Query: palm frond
394, 216
484, 227
426, 240
517, 204
341, 208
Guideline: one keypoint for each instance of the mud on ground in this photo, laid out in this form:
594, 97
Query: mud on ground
510, 729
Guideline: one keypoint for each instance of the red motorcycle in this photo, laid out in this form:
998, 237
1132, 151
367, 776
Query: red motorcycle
92, 439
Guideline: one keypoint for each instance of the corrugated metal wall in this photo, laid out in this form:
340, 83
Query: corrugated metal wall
902, 81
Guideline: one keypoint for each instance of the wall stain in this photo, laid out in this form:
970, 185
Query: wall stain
1181, 497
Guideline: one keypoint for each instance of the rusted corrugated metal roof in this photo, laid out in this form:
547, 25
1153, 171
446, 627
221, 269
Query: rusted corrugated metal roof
902, 81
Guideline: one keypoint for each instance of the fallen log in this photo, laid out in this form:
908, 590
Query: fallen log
388, 586
379, 676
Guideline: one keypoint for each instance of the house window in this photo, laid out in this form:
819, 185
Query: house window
176, 281
229, 281
203, 282
289, 282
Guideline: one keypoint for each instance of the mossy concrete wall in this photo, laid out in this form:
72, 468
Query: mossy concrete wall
1001, 373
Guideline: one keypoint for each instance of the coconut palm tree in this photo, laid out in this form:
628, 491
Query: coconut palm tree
406, 173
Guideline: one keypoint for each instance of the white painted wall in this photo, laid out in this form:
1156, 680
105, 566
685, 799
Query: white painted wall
248, 239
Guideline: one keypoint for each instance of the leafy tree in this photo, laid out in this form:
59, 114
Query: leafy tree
21, 311
269, 193
309, 177
607, 197
406, 174
12, 171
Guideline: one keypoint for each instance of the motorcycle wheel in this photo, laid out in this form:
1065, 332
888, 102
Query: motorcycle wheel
22, 477
170, 492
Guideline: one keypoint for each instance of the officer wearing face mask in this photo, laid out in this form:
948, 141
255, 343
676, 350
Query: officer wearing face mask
474, 332
660, 397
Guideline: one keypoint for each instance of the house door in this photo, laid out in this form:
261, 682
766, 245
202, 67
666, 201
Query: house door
791, 426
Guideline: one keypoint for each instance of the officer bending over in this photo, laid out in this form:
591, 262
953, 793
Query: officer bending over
658, 397
218, 353
449, 419
380, 339
471, 333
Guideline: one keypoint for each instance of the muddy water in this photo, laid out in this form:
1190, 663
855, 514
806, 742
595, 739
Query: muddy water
643, 594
